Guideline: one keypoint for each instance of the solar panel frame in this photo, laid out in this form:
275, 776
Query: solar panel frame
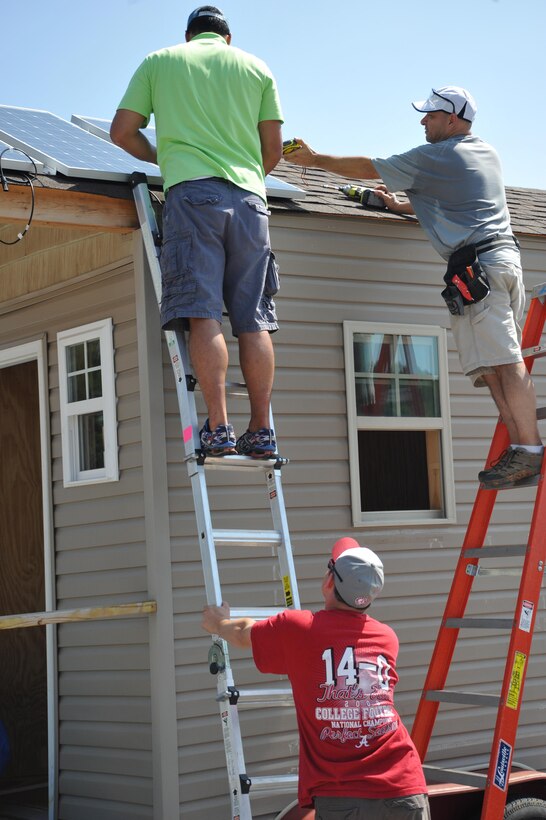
18, 163
66, 148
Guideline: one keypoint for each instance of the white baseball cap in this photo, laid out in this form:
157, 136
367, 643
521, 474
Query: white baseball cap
452, 100
358, 572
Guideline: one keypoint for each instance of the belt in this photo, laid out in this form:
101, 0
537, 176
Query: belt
496, 241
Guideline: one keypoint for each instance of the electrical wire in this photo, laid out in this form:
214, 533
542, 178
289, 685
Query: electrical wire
28, 182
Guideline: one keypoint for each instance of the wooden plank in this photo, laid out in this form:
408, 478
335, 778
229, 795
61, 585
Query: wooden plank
57, 207
93, 613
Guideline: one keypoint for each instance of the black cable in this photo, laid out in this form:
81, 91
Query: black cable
16, 181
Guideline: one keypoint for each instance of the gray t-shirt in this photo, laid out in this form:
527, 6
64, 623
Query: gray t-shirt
455, 187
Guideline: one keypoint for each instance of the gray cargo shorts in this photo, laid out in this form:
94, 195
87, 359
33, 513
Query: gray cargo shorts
411, 807
216, 251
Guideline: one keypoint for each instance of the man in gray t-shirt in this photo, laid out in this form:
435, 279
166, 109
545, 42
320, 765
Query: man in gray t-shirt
455, 187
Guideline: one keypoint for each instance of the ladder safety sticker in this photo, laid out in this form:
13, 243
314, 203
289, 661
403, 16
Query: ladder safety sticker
187, 434
516, 680
287, 590
526, 616
271, 487
502, 766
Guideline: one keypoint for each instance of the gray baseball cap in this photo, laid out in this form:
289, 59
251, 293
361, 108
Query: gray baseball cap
358, 572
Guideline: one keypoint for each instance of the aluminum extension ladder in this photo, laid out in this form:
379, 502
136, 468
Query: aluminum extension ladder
228, 695
521, 626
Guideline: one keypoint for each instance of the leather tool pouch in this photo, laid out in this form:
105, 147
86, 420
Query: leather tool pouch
466, 280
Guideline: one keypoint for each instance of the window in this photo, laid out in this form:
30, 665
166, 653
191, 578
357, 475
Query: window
88, 404
399, 424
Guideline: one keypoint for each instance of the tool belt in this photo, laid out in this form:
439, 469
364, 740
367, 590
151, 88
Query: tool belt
466, 280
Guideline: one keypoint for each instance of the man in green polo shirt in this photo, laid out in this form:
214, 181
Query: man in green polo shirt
218, 123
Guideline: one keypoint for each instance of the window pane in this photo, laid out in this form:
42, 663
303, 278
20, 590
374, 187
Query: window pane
417, 355
93, 353
91, 441
76, 388
75, 358
95, 384
373, 353
375, 397
399, 470
419, 398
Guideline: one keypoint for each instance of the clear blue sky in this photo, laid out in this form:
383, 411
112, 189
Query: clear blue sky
347, 72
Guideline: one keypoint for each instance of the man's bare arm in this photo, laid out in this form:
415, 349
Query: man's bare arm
125, 132
392, 202
236, 631
349, 167
271, 142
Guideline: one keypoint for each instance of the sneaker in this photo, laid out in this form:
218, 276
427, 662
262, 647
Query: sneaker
218, 442
260, 444
513, 467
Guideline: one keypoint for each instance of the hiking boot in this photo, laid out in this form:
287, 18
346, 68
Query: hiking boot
260, 444
514, 467
218, 442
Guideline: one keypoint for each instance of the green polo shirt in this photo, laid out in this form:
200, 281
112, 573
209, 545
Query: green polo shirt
207, 98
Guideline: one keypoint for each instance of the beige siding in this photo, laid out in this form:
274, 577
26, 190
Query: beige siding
105, 751
333, 270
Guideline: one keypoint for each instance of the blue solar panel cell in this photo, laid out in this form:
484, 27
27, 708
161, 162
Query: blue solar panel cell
66, 148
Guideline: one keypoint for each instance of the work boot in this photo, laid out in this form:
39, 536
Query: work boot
514, 467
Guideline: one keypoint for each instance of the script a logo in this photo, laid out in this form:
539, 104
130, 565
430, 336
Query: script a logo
503, 765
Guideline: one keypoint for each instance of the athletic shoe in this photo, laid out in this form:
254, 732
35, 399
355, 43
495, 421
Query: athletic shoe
513, 467
260, 444
218, 442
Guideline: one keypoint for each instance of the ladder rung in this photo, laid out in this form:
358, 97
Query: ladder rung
434, 774
272, 696
504, 551
247, 538
257, 613
536, 352
274, 783
236, 389
469, 698
479, 623
243, 463
476, 569
539, 291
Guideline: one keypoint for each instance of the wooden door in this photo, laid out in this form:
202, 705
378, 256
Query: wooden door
23, 679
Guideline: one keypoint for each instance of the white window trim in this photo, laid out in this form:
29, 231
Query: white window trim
356, 423
72, 476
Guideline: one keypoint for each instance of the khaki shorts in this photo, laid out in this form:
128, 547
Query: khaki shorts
411, 807
489, 333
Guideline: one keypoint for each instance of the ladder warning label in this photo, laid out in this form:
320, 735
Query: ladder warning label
287, 590
526, 616
516, 680
502, 766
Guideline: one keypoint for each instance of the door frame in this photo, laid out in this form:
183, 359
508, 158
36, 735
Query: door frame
36, 350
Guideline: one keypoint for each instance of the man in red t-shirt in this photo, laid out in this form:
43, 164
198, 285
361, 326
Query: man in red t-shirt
355, 753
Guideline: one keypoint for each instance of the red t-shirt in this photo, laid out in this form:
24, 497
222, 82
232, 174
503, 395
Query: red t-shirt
341, 665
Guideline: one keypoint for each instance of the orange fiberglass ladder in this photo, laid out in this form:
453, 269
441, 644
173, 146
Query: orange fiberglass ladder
508, 703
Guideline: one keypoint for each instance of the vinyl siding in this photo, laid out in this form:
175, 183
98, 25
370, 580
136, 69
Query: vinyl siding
105, 746
334, 270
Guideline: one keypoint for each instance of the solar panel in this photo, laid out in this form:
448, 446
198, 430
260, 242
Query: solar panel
275, 188
15, 161
67, 149
101, 127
